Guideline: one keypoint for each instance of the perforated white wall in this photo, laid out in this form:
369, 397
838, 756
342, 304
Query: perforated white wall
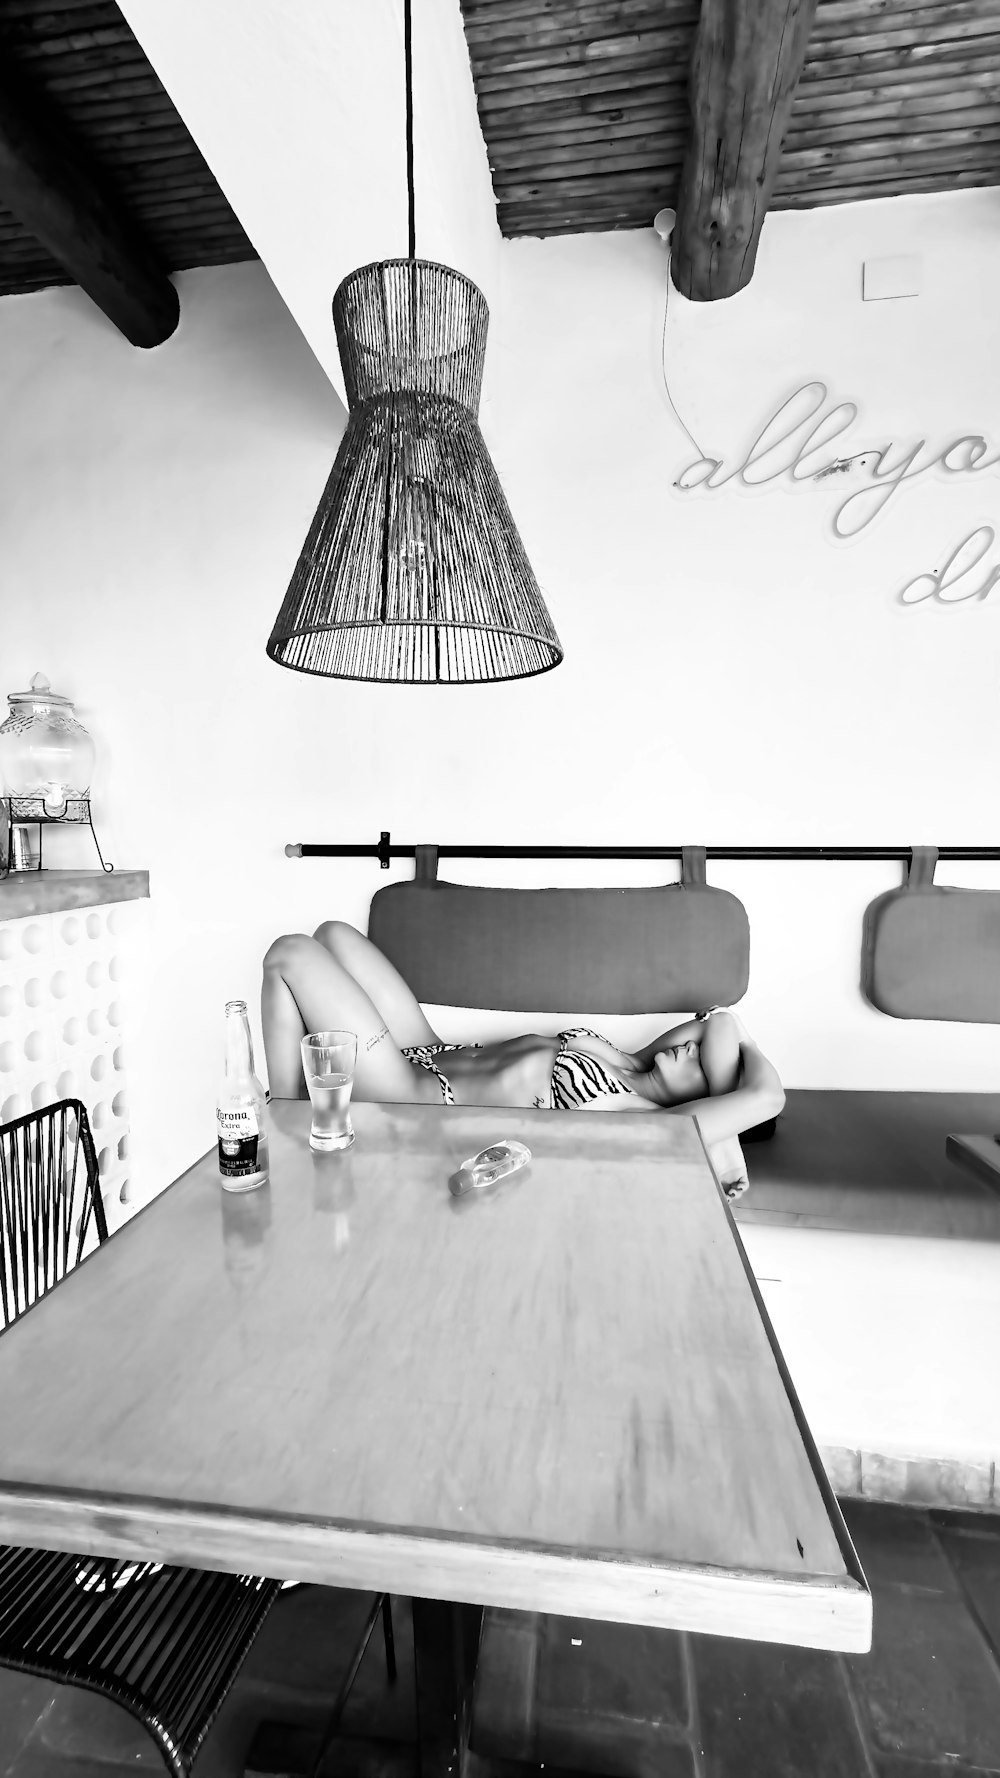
61, 1029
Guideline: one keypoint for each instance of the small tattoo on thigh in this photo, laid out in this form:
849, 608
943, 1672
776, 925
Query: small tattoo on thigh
372, 1041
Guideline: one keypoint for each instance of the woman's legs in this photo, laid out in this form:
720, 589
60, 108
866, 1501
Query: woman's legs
282, 1023
380, 980
305, 989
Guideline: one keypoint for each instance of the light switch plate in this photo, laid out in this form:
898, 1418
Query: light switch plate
897, 276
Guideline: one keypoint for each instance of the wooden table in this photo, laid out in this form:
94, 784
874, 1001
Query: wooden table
562, 1397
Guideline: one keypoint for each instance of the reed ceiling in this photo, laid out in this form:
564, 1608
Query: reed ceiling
76, 69
584, 105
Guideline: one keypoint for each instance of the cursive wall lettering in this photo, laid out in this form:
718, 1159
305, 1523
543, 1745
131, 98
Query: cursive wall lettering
962, 562
800, 432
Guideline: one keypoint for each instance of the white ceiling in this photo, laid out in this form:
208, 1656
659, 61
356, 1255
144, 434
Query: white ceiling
299, 109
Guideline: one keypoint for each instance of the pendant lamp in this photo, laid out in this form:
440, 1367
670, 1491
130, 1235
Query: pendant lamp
413, 571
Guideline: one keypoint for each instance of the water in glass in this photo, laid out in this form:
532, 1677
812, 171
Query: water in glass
328, 1059
331, 1111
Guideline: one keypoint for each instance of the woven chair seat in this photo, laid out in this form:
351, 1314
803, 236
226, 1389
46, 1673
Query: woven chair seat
165, 1643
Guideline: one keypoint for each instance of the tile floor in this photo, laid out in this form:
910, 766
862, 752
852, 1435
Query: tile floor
584, 1697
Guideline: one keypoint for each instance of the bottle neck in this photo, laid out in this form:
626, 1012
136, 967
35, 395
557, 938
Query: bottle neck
239, 1046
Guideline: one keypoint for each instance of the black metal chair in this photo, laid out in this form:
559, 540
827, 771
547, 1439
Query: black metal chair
166, 1643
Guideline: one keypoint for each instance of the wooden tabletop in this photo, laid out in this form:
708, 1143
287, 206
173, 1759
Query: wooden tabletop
564, 1396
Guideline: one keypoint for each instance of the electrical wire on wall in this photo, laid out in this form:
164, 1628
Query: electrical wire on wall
664, 224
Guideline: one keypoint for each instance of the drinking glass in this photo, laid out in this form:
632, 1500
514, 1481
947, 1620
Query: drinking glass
328, 1059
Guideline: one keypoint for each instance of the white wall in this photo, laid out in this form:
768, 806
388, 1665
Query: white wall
733, 674
151, 507
730, 675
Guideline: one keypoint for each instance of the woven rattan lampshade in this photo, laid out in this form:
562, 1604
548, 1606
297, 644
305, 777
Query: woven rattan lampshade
413, 570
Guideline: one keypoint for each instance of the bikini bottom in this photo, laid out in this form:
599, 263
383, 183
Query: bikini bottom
576, 1076
422, 1056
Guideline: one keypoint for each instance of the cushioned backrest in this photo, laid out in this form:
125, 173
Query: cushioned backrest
676, 948
933, 953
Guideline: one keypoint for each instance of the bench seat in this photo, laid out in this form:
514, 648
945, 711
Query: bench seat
875, 1162
878, 1259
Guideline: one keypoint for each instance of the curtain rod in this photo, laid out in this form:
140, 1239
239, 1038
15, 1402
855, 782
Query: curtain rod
386, 850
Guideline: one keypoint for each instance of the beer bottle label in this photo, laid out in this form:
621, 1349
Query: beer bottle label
237, 1156
239, 1134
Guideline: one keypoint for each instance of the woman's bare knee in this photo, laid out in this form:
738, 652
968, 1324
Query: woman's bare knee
378, 978
287, 950
337, 937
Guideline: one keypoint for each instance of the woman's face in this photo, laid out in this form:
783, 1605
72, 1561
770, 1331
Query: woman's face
679, 1074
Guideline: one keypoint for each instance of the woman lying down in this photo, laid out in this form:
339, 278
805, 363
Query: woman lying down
339, 980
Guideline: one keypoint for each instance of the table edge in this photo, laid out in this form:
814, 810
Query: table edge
845, 1542
811, 1611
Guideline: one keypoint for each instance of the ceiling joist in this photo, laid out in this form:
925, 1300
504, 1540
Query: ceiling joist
45, 182
746, 66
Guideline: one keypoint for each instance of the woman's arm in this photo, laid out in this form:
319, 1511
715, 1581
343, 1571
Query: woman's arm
718, 1038
720, 1053
758, 1096
623, 1102
692, 1030
755, 1095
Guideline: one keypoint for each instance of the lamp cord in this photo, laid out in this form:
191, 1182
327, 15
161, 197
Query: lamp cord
663, 359
408, 60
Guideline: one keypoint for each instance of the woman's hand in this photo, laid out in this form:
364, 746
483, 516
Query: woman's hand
729, 1163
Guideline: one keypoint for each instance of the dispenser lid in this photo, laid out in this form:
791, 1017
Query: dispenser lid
40, 693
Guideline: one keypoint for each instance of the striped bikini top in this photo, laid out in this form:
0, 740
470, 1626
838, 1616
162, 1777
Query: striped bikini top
576, 1079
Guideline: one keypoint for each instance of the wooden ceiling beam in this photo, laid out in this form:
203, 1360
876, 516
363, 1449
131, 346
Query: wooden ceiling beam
747, 60
44, 181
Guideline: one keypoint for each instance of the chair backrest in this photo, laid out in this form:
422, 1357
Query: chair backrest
929, 952
51, 1210
675, 948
